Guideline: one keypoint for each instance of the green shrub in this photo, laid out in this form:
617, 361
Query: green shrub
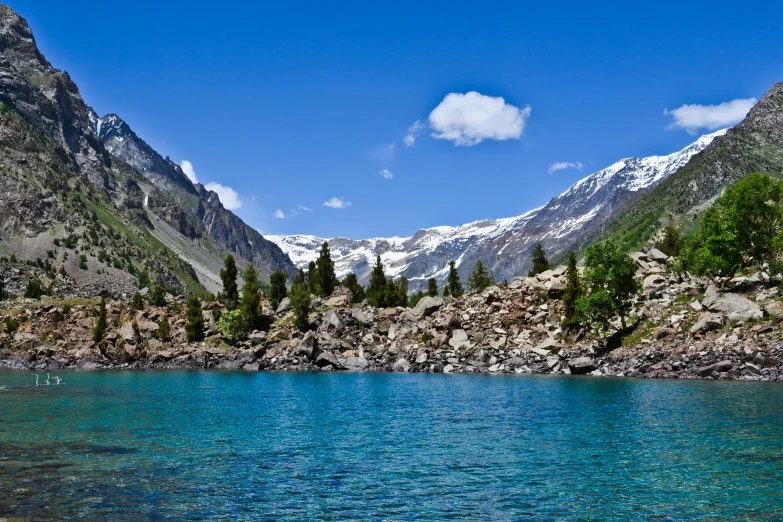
164, 329
194, 328
137, 303
234, 324
11, 325
66, 308
33, 290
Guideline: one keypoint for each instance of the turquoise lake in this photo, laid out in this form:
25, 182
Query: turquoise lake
204, 445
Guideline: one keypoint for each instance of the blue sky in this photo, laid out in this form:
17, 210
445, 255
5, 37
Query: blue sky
295, 104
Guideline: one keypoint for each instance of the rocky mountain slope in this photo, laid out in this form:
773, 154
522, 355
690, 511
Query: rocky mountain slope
503, 245
685, 329
107, 216
754, 145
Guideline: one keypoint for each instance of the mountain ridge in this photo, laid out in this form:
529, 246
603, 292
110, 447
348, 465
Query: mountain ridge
502, 244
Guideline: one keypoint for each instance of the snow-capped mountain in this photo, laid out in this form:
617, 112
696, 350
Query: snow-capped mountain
503, 245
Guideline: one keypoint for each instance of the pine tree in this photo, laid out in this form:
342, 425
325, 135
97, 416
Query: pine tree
480, 280
99, 332
672, 243
277, 291
327, 280
250, 296
300, 300
573, 292
228, 276
376, 290
157, 296
397, 292
455, 286
194, 328
540, 262
432, 287
164, 330
351, 282
312, 278
137, 303
446, 289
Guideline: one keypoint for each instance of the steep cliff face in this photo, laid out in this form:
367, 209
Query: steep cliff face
67, 176
503, 245
202, 208
754, 145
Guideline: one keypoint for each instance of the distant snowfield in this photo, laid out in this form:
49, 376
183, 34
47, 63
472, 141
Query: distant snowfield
502, 244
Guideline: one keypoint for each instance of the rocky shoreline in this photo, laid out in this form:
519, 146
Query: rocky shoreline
682, 328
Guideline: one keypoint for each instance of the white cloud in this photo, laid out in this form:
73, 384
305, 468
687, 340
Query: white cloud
386, 173
227, 195
279, 214
337, 203
468, 119
384, 153
562, 165
190, 172
710, 117
413, 131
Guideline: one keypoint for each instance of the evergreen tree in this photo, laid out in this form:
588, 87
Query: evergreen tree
228, 276
540, 262
326, 278
99, 332
376, 290
164, 329
300, 300
277, 291
137, 303
397, 292
480, 280
312, 278
455, 286
446, 289
671, 242
157, 296
300, 278
432, 287
351, 282
251, 298
194, 328
573, 291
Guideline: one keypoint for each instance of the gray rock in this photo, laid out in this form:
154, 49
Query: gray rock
459, 339
707, 321
308, 346
355, 363
427, 306
657, 255
401, 365
256, 337
327, 359
581, 365
338, 301
548, 345
556, 290
718, 367
653, 281
421, 359
284, 306
333, 319
736, 307
361, 317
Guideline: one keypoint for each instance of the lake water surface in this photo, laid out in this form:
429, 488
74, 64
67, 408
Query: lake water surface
204, 445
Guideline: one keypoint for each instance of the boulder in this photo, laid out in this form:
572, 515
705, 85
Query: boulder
355, 363
427, 306
775, 309
324, 359
556, 290
446, 321
706, 322
338, 301
401, 365
491, 294
581, 365
361, 317
546, 275
736, 307
657, 255
333, 319
653, 281
718, 367
548, 345
284, 306
459, 339
256, 337
308, 345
